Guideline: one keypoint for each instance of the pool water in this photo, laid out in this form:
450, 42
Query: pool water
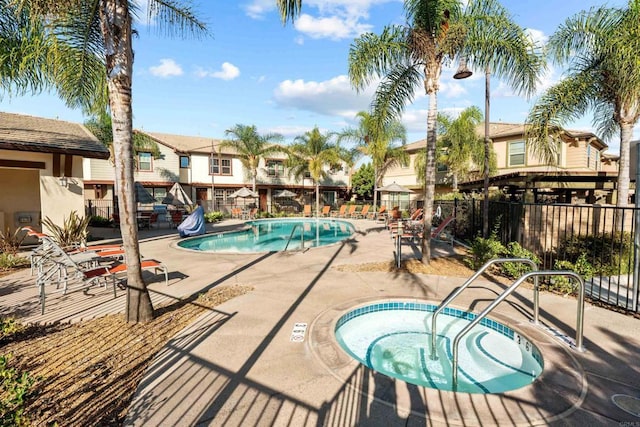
394, 338
269, 235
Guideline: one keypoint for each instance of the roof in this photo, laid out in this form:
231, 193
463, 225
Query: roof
502, 130
186, 144
545, 179
20, 132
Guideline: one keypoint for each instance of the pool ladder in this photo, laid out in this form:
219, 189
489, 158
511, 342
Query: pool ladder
296, 226
536, 306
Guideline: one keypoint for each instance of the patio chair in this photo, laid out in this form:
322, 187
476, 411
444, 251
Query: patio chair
307, 210
381, 214
364, 212
339, 213
175, 218
436, 232
103, 275
350, 212
325, 210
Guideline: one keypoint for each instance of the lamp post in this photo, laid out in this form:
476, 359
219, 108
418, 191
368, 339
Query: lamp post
462, 73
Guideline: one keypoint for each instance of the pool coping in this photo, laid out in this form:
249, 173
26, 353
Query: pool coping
559, 391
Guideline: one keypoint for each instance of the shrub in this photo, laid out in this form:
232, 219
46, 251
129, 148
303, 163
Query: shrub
515, 270
9, 261
610, 253
214, 216
10, 243
15, 387
483, 250
8, 327
99, 221
72, 232
565, 285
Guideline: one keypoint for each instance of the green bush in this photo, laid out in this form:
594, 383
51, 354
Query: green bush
214, 216
8, 327
15, 387
515, 270
610, 253
483, 250
99, 221
9, 261
565, 285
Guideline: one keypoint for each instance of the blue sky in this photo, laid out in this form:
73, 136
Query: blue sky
253, 70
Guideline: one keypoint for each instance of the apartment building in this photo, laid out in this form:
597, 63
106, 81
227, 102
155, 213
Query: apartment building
583, 171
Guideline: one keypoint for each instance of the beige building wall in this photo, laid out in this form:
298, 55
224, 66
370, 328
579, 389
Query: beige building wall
29, 195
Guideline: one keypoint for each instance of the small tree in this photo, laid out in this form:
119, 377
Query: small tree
363, 181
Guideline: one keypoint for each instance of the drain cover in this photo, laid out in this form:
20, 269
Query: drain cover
627, 403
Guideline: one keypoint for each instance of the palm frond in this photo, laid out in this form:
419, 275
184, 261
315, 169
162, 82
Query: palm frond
175, 18
372, 55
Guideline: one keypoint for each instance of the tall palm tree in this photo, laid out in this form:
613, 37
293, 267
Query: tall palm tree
411, 56
251, 147
602, 50
313, 153
460, 144
375, 138
103, 28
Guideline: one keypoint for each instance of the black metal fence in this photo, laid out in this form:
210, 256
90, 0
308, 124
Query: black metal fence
598, 241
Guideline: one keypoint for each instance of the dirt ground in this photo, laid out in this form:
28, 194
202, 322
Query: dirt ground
86, 373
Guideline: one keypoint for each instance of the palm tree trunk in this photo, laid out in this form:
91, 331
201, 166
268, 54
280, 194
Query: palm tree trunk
115, 21
375, 189
253, 181
626, 133
430, 176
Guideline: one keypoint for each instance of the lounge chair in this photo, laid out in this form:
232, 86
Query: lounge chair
325, 210
351, 211
339, 213
364, 212
307, 210
103, 275
436, 232
381, 214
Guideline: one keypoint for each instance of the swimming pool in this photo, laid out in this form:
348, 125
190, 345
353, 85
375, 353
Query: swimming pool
267, 235
393, 338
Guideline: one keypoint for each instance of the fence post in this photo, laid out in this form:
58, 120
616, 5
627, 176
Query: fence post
636, 236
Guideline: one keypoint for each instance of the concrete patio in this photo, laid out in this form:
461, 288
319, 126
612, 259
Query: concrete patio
237, 365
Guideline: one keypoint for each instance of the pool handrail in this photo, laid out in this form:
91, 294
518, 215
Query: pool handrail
293, 229
443, 304
535, 274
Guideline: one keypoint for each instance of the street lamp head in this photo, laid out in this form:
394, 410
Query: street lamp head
463, 72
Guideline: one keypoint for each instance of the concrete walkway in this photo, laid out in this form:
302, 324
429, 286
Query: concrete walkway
237, 365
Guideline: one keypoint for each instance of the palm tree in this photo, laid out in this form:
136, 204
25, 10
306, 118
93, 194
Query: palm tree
102, 29
375, 138
251, 147
602, 50
460, 145
410, 57
313, 153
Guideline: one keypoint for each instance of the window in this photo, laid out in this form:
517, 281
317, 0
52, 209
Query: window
516, 153
226, 166
144, 162
184, 162
159, 193
441, 167
589, 156
598, 160
275, 168
219, 166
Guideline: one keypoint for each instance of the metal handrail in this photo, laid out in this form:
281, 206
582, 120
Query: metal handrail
501, 297
466, 284
291, 236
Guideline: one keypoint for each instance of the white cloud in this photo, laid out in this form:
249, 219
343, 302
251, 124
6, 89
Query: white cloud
167, 68
258, 8
227, 71
329, 97
333, 27
539, 37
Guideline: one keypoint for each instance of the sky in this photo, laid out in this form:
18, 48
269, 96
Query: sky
253, 70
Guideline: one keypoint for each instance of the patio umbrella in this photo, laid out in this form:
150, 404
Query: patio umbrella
244, 192
284, 193
394, 188
142, 195
177, 197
